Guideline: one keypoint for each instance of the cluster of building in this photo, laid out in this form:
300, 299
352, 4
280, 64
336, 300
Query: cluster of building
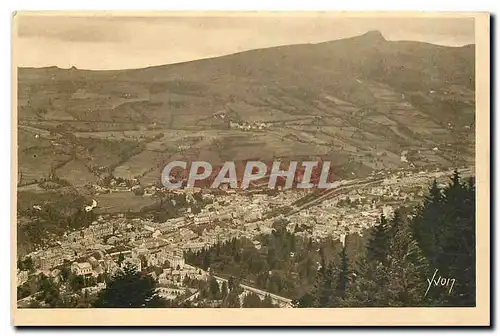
244, 126
111, 242
359, 208
115, 187
163, 262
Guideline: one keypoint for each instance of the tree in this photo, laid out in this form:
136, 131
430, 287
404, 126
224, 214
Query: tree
214, 288
395, 226
232, 300
377, 247
26, 264
458, 241
306, 300
413, 268
444, 228
206, 261
100, 278
23, 291
390, 274
49, 292
144, 261
84, 301
330, 286
439, 238
65, 272
121, 258
369, 288
129, 289
139, 191
224, 289
77, 282
231, 283
324, 288
426, 223
343, 276
251, 300
267, 302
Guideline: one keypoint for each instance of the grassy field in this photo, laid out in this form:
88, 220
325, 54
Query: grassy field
77, 172
120, 202
139, 164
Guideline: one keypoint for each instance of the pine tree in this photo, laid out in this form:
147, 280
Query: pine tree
306, 300
224, 290
395, 226
232, 299
370, 286
397, 281
251, 300
206, 260
121, 258
214, 288
377, 247
129, 289
343, 276
324, 287
267, 302
407, 267
457, 241
426, 222
444, 228
231, 283
415, 274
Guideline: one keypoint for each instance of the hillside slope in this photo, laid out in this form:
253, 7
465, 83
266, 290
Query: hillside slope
365, 103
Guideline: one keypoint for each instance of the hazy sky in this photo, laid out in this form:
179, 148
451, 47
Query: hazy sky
100, 42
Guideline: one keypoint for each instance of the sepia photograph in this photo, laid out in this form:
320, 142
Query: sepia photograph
248, 168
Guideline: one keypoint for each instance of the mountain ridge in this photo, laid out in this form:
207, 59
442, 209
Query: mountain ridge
373, 35
361, 102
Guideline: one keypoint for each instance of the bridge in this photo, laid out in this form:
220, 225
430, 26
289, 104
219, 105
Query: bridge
281, 301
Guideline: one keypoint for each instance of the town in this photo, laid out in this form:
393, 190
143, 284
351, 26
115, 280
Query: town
158, 248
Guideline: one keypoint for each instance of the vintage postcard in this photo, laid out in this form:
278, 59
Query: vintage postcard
251, 168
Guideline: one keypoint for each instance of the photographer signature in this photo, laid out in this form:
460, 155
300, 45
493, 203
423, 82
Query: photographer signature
440, 282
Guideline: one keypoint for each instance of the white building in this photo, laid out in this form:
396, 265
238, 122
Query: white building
22, 277
81, 268
176, 262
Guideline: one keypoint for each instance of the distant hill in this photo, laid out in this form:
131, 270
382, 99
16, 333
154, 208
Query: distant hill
362, 102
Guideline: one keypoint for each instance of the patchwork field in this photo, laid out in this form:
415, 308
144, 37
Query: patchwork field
121, 202
335, 100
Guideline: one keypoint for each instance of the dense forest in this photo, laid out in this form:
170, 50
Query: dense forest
422, 258
282, 262
39, 227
